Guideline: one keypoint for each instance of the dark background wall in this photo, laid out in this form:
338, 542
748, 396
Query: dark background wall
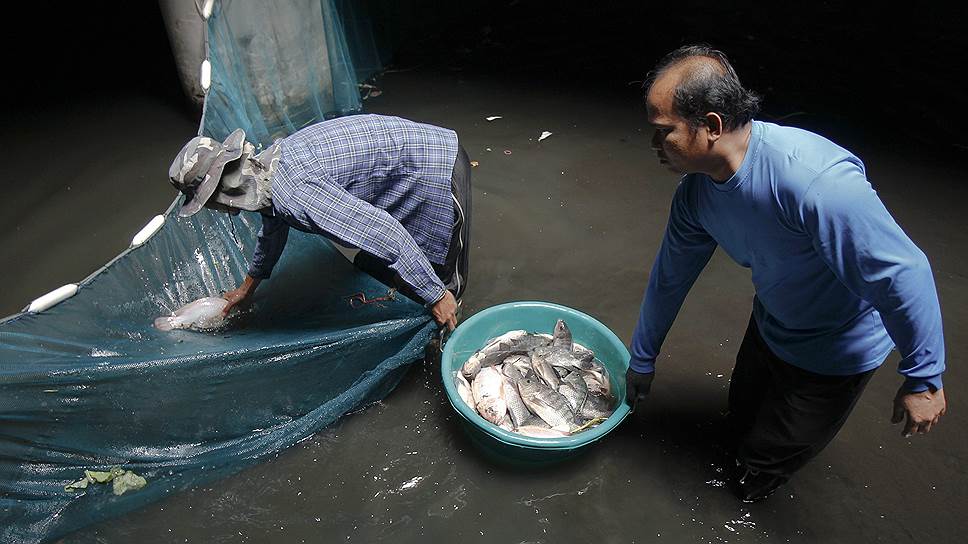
878, 67
71, 51
891, 71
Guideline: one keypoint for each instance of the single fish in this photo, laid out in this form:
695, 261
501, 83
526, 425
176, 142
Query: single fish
520, 362
535, 431
548, 404
596, 406
488, 392
528, 342
518, 412
478, 362
562, 335
575, 391
599, 369
559, 356
512, 372
499, 356
201, 315
597, 382
493, 353
508, 336
582, 353
464, 390
595, 366
544, 370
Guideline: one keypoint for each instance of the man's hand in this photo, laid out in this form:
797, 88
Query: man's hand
924, 409
445, 310
637, 386
240, 295
235, 297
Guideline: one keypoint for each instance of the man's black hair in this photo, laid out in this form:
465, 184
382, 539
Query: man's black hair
707, 89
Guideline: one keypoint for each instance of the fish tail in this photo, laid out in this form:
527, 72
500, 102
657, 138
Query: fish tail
164, 324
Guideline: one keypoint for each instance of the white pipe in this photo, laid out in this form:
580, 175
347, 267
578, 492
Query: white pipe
148, 230
57, 295
206, 76
186, 33
207, 9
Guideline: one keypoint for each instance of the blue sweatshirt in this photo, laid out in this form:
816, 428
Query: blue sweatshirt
838, 283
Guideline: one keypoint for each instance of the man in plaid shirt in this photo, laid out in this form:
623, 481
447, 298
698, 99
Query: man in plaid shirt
397, 190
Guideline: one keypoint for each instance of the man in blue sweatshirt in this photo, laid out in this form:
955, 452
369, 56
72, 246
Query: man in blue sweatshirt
838, 283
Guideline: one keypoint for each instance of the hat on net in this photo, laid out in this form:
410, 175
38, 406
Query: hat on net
197, 169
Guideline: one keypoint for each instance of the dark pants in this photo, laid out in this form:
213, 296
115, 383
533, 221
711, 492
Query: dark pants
453, 272
780, 415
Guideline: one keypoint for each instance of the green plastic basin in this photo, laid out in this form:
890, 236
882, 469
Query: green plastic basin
472, 334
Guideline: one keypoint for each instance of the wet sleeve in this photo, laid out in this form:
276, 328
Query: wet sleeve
327, 208
269, 245
685, 250
867, 250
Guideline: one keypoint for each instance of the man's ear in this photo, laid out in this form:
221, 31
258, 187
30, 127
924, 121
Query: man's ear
714, 126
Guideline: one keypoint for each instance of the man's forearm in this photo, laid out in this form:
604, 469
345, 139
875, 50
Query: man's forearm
249, 285
239, 295
269, 245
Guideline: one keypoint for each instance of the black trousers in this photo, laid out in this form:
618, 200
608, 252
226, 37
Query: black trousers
781, 416
453, 272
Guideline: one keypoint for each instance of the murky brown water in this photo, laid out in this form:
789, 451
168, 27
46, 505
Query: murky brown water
574, 219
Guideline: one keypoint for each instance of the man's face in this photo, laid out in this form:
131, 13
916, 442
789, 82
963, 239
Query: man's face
678, 146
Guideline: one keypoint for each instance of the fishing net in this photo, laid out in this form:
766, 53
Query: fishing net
89, 384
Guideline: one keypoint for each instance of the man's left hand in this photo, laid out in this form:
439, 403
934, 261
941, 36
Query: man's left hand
923, 409
445, 310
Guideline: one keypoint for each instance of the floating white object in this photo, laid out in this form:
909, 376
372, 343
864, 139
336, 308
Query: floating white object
493, 117
148, 230
50, 299
206, 75
207, 9
544, 135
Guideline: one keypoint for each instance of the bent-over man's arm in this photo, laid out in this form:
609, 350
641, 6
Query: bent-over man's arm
269, 245
328, 209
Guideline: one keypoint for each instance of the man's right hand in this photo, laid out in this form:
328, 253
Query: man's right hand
240, 295
637, 386
235, 297
445, 310
923, 410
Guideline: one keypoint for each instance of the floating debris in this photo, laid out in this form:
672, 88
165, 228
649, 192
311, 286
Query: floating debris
544, 135
475, 164
122, 480
493, 118
370, 91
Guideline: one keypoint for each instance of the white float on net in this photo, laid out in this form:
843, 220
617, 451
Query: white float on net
52, 298
148, 230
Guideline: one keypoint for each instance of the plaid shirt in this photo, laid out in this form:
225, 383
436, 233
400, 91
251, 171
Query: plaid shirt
376, 183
